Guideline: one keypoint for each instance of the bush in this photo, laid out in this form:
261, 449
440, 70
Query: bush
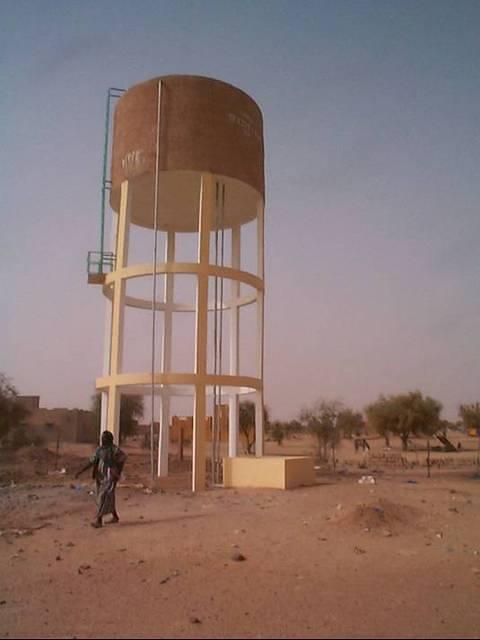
277, 432
38, 441
19, 438
12, 411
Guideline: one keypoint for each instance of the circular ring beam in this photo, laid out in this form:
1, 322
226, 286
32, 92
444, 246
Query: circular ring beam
141, 383
178, 307
195, 268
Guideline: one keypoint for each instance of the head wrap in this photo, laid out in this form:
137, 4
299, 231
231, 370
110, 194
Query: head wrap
107, 439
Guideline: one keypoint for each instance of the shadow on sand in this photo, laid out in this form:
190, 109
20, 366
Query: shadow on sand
150, 521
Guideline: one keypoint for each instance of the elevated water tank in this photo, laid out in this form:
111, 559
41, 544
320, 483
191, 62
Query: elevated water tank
205, 125
187, 156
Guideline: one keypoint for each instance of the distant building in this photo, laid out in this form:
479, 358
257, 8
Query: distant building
69, 425
30, 403
185, 423
181, 428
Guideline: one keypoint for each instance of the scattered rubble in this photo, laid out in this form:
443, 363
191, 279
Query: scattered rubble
83, 568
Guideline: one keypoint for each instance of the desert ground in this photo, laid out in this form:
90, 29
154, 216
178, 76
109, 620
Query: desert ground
397, 558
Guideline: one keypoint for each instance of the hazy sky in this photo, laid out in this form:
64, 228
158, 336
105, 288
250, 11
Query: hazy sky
373, 205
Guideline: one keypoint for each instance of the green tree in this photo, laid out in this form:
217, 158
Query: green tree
320, 420
405, 415
470, 416
12, 412
277, 431
381, 416
350, 423
246, 422
131, 409
293, 427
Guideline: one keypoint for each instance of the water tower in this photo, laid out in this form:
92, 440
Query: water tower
187, 157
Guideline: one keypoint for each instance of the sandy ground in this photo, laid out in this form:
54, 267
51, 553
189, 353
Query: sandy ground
395, 559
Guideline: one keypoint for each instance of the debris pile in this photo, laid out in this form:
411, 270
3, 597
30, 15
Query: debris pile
382, 516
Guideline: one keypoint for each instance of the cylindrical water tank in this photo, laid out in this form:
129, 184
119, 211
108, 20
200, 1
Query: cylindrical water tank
205, 125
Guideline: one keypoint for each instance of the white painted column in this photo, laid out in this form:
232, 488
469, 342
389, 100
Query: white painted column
113, 410
234, 344
164, 434
103, 411
168, 297
118, 311
107, 341
201, 332
259, 399
106, 366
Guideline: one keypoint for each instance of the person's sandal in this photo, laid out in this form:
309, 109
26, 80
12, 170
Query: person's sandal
96, 524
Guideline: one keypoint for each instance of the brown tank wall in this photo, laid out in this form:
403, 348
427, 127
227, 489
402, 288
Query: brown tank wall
205, 125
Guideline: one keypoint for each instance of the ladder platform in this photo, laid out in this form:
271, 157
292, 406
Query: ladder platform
96, 278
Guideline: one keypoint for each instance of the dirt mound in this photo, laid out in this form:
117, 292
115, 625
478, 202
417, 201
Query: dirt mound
381, 516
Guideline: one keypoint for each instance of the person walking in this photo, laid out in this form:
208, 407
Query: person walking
107, 462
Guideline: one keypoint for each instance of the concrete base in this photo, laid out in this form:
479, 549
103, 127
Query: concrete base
272, 472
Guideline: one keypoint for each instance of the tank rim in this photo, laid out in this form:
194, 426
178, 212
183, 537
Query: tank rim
197, 77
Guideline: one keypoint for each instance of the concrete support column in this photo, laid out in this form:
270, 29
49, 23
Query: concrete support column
259, 426
199, 417
207, 200
259, 400
103, 412
118, 310
113, 423
233, 425
168, 298
106, 365
107, 341
164, 434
